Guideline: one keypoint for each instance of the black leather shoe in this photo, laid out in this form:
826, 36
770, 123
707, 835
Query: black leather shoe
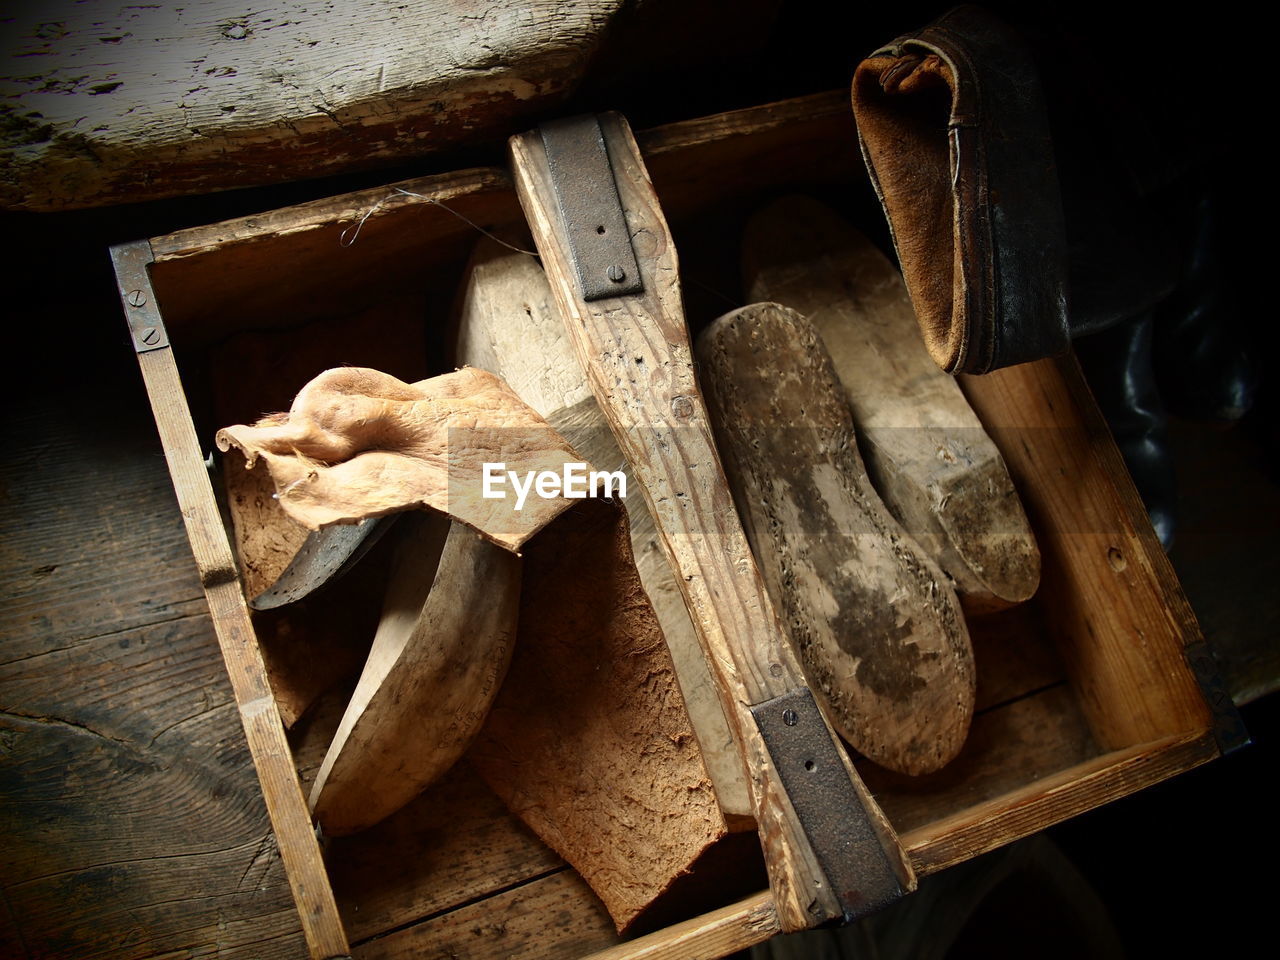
1202, 358
1117, 364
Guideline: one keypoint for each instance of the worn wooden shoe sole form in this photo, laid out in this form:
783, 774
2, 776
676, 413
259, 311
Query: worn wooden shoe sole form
925, 449
438, 659
878, 628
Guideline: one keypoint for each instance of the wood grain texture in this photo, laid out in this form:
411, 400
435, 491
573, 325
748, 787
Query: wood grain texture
638, 360
134, 823
139, 102
258, 714
927, 454
510, 327
550, 918
719, 933
1041, 803
877, 626
439, 656
1007, 747
1111, 599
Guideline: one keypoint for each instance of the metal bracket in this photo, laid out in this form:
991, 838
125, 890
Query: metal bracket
1228, 727
835, 820
595, 227
133, 279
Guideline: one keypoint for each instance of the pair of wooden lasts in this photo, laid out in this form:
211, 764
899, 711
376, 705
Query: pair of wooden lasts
870, 607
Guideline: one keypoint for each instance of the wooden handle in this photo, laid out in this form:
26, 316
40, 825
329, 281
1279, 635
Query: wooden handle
638, 359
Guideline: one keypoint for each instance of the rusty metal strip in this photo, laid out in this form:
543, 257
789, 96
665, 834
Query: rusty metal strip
595, 228
835, 820
133, 280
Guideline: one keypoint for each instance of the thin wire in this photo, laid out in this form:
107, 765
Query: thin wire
710, 289
359, 225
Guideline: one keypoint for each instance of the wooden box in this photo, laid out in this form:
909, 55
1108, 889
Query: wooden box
1086, 694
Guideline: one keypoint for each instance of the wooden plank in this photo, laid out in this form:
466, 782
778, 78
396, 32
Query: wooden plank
1110, 596
551, 918
1007, 747
1041, 803
77, 508
225, 276
332, 258
134, 823
148, 101
719, 933
258, 714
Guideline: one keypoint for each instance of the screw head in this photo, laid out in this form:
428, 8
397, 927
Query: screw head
616, 273
150, 336
136, 298
790, 717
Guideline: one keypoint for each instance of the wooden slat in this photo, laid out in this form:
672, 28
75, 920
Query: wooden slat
225, 276
1007, 747
636, 353
551, 918
736, 927
1040, 804
1110, 596
263, 729
143, 101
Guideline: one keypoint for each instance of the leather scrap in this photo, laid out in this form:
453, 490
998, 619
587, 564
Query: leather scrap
358, 443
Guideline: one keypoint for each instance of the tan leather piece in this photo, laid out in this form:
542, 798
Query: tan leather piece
359, 443
909, 150
589, 742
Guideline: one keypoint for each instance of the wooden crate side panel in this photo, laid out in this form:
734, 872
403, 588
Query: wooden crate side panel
289, 266
1110, 596
1028, 739
292, 266
263, 729
1043, 803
